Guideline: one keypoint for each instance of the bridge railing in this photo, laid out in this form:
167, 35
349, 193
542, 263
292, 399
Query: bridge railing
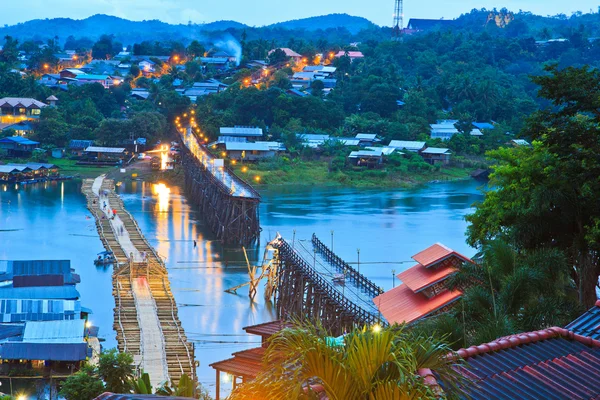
360, 315
345, 268
235, 178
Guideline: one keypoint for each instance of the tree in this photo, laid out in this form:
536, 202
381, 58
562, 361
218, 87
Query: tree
195, 49
316, 89
365, 364
117, 371
277, 57
10, 51
105, 48
548, 196
52, 128
82, 385
185, 388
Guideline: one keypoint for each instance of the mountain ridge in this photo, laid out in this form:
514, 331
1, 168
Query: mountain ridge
129, 31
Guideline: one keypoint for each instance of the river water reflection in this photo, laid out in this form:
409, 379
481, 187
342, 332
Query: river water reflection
50, 220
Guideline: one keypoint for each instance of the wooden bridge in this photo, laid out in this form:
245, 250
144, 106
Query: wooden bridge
229, 205
314, 283
146, 319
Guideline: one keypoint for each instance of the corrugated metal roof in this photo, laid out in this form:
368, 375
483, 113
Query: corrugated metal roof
7, 169
43, 351
246, 146
366, 153
19, 140
483, 125
588, 324
25, 102
65, 331
96, 149
80, 144
8, 331
546, 364
436, 150
418, 277
401, 304
40, 267
241, 131
366, 136
407, 144
386, 150
46, 293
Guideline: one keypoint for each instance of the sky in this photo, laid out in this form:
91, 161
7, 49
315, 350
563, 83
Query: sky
265, 12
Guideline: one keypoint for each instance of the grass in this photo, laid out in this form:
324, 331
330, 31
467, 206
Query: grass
70, 168
298, 172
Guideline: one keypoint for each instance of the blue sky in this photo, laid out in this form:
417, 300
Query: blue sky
264, 12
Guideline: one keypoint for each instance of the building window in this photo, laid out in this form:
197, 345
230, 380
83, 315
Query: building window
36, 111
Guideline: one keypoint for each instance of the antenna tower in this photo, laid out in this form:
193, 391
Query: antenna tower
398, 20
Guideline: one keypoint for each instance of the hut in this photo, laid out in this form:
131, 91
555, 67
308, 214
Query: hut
17, 146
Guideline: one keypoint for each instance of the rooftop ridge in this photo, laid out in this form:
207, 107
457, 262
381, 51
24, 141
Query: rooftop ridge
518, 339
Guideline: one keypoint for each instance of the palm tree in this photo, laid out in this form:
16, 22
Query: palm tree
383, 363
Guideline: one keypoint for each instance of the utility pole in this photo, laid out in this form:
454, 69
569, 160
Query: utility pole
398, 20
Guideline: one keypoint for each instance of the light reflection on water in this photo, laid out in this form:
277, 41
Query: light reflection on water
387, 226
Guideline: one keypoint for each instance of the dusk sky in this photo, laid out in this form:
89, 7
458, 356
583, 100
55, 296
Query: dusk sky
264, 12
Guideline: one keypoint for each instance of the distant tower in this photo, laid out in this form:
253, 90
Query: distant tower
398, 20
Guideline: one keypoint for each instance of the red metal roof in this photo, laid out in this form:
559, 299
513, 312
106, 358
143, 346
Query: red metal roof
267, 329
418, 277
401, 304
255, 354
552, 363
436, 253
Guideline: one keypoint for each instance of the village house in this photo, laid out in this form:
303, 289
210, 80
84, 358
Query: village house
43, 326
290, 54
408, 145
23, 128
353, 55
519, 143
367, 139
17, 109
444, 129
434, 155
314, 141
369, 158
105, 80
77, 147
72, 73
219, 63
95, 155
423, 291
30, 172
249, 151
247, 133
17, 146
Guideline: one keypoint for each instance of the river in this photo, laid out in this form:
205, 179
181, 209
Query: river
50, 221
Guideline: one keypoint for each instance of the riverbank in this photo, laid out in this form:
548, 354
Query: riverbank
318, 173
70, 168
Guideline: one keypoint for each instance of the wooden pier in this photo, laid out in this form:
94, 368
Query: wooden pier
146, 319
307, 287
228, 204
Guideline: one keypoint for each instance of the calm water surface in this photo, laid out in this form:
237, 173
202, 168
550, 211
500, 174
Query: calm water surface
50, 221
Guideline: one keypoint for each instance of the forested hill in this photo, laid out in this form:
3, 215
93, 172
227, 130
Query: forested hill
126, 31
353, 24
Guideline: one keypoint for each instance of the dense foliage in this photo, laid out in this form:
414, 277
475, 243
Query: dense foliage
304, 363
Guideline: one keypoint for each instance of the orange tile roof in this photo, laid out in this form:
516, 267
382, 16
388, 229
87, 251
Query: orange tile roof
418, 277
436, 253
401, 304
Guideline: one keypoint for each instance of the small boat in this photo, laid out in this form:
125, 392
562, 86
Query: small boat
339, 278
105, 258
